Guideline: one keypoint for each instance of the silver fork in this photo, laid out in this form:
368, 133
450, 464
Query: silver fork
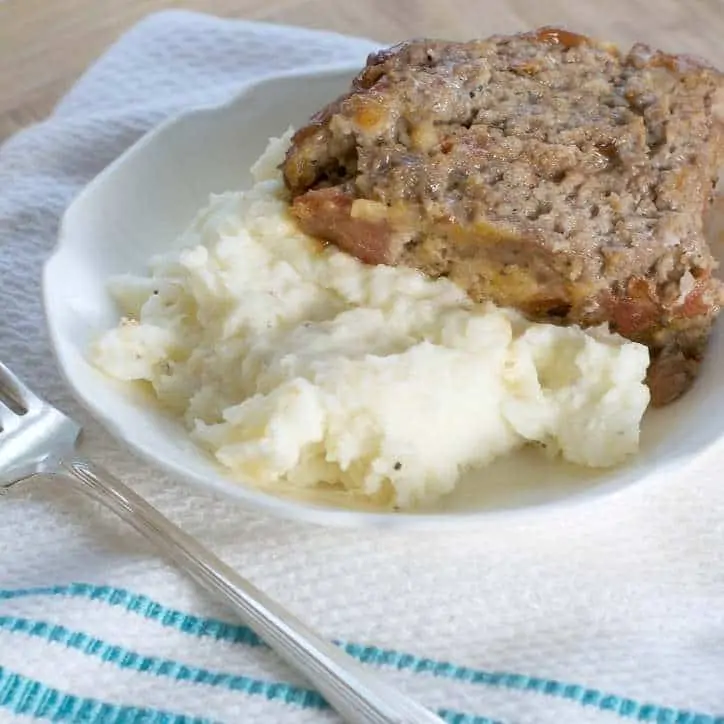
38, 439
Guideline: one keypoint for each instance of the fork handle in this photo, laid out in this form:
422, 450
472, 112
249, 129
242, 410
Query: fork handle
357, 695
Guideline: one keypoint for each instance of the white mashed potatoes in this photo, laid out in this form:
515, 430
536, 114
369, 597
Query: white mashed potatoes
300, 365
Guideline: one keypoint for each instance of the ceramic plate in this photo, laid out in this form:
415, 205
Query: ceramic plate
139, 205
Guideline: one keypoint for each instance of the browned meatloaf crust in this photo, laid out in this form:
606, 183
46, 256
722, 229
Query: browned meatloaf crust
545, 171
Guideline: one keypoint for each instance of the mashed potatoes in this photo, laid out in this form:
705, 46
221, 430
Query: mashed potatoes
296, 364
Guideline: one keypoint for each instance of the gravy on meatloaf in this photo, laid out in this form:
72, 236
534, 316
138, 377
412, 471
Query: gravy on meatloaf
544, 171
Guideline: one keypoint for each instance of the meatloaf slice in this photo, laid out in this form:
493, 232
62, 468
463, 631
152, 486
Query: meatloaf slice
544, 171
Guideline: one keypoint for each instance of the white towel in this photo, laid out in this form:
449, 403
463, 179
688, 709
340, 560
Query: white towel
612, 612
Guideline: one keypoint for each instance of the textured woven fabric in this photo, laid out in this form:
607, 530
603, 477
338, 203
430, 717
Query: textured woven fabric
607, 613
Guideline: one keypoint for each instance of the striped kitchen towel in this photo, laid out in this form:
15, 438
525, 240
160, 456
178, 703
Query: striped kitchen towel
609, 613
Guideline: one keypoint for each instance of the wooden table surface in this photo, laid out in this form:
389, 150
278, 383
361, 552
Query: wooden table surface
46, 44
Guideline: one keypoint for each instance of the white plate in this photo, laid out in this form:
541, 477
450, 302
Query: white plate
139, 205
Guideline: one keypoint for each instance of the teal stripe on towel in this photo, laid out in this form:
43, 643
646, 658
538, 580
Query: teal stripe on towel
146, 608
141, 605
132, 661
23, 696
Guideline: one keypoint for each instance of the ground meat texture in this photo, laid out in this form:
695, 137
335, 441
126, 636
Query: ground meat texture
544, 171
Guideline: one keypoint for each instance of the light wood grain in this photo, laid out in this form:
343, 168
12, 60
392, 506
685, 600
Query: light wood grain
46, 44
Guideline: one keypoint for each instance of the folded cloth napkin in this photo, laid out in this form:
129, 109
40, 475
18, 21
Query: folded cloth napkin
604, 613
